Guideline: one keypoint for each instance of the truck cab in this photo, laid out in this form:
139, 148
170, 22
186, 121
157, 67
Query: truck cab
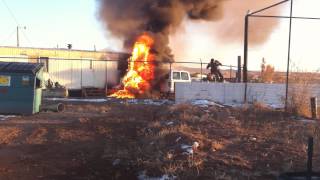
173, 77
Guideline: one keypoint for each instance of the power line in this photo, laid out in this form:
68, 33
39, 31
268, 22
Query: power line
15, 20
10, 12
8, 37
25, 35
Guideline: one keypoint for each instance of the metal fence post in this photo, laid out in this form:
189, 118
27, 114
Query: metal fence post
239, 69
230, 72
106, 87
310, 155
81, 78
314, 107
201, 70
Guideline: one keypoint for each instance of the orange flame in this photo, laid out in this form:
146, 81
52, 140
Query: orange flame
140, 73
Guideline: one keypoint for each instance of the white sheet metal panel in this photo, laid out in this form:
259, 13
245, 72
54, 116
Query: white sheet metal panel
99, 73
87, 73
60, 71
75, 74
93, 73
113, 73
14, 59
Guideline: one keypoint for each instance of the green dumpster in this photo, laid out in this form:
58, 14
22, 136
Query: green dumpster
20, 87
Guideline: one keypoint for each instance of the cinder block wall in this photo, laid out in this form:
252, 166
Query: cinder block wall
228, 93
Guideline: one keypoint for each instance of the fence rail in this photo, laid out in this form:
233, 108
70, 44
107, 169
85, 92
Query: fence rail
76, 73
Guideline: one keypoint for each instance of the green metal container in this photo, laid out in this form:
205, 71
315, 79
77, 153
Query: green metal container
20, 88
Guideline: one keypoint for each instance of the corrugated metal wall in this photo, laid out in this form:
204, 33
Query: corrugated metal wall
71, 68
75, 74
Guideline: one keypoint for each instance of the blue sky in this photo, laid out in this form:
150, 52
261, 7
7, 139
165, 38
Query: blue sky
59, 22
53, 22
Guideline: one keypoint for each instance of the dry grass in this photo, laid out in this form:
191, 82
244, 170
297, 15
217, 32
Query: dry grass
9, 134
73, 135
299, 100
300, 92
252, 142
38, 136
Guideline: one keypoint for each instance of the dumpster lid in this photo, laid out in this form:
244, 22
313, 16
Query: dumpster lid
17, 67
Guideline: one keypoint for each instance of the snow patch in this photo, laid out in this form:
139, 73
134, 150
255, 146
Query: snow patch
143, 176
205, 103
102, 100
187, 150
5, 117
77, 100
147, 102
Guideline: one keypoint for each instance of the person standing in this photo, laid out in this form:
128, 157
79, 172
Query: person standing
214, 69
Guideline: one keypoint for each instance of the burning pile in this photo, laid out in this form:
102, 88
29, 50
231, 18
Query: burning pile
128, 19
140, 73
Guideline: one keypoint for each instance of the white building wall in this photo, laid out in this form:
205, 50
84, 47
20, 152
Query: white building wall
14, 59
75, 74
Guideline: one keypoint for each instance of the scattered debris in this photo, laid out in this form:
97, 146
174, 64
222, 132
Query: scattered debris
169, 123
147, 102
178, 139
189, 150
116, 162
253, 139
195, 145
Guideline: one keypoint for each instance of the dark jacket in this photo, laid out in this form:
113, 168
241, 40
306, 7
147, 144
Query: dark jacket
214, 66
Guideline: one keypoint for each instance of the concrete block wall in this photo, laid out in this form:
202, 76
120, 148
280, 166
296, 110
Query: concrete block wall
272, 94
219, 92
228, 93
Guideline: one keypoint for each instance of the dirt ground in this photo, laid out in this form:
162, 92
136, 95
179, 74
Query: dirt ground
136, 141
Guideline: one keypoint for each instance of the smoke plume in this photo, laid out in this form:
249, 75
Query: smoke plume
126, 19
231, 27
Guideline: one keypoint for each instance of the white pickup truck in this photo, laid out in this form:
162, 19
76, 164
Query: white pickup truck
174, 76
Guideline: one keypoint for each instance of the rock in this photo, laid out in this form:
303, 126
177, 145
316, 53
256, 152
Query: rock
253, 139
195, 145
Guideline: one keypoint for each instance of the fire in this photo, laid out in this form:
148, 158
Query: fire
140, 73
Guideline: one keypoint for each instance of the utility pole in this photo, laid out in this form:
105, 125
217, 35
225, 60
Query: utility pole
18, 40
18, 43
245, 54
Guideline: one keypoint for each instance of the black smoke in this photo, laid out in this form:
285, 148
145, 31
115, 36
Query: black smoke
127, 19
